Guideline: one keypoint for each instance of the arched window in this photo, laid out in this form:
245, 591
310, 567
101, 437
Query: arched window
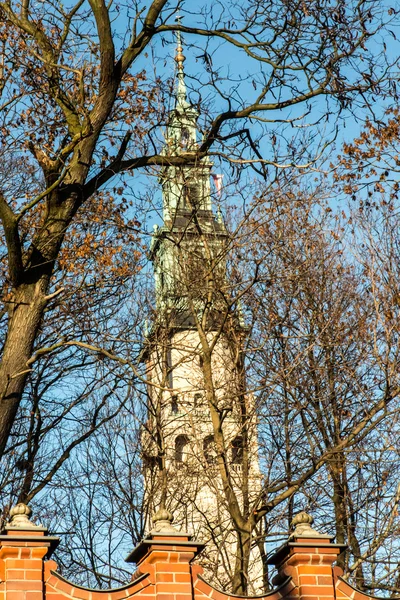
150, 462
237, 451
210, 451
185, 137
191, 195
180, 448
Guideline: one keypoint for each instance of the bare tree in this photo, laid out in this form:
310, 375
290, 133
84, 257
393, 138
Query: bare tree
69, 99
297, 309
299, 322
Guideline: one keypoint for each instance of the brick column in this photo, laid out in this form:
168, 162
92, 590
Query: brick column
308, 559
166, 554
23, 547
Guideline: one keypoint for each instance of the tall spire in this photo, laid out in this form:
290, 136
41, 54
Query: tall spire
185, 187
181, 100
182, 122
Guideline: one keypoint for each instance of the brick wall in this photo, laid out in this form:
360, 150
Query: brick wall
166, 568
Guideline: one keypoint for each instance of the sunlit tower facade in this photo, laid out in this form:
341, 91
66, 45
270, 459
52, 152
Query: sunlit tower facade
189, 254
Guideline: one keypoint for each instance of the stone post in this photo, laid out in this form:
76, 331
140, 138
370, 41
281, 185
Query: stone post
23, 547
166, 554
308, 558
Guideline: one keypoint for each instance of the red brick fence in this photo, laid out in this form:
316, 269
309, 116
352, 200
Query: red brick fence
166, 567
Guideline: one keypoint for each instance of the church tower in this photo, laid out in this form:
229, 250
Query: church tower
198, 408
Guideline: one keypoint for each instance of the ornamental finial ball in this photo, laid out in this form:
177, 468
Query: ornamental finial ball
302, 518
19, 516
301, 525
163, 515
163, 521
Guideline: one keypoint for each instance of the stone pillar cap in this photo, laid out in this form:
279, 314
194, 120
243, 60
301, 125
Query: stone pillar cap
301, 525
162, 521
20, 519
163, 534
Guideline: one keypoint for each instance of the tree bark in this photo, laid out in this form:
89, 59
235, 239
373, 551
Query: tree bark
25, 315
27, 305
241, 574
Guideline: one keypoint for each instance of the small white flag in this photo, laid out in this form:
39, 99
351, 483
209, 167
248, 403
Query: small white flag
218, 182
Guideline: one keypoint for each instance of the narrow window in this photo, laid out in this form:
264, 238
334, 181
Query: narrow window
150, 462
191, 195
174, 405
180, 448
210, 452
185, 196
170, 379
185, 137
237, 451
197, 400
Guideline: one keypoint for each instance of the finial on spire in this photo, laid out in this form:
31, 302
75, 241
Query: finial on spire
181, 100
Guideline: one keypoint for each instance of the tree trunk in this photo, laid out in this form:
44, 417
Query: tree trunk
25, 314
345, 528
28, 302
240, 577
339, 508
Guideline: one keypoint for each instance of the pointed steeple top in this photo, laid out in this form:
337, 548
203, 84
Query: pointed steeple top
182, 123
181, 100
